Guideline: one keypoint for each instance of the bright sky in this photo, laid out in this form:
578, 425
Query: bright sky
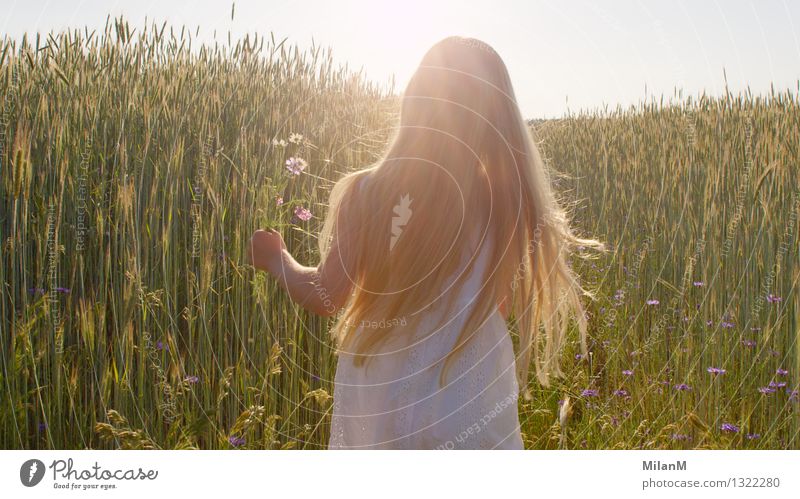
562, 55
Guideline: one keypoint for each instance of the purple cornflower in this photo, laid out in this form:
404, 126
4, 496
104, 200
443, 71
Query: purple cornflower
753, 436
653, 302
781, 372
36, 291
766, 389
589, 393
773, 298
620, 393
296, 165
302, 213
727, 324
191, 379
709, 323
777, 384
42, 427
627, 372
236, 441
729, 428
683, 387
749, 343
63, 290
698, 284
578, 356
162, 346
715, 370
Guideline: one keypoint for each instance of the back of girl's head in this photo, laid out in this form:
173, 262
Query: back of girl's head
461, 167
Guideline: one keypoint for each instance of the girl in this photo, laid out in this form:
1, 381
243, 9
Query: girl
427, 253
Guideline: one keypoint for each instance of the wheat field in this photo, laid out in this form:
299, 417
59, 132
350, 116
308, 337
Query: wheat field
135, 164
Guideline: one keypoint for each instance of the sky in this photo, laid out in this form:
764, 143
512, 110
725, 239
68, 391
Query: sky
563, 56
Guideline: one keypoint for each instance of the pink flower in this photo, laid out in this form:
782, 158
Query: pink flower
302, 213
296, 165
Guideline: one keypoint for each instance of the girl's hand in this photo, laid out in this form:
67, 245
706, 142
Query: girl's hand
265, 250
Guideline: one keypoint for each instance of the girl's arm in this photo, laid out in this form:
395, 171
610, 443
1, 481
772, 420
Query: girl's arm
322, 290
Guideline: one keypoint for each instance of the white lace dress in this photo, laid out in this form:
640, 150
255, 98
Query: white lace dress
396, 402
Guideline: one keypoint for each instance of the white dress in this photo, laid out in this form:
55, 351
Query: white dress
397, 402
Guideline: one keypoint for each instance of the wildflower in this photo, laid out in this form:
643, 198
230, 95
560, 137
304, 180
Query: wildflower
766, 389
296, 165
680, 436
589, 393
774, 299
729, 428
191, 379
709, 323
777, 384
749, 343
279, 143
278, 201
578, 356
295, 138
781, 372
42, 427
162, 346
698, 284
35, 291
653, 302
727, 324
627, 372
683, 387
302, 213
753, 436
620, 393
715, 370
63, 290
236, 441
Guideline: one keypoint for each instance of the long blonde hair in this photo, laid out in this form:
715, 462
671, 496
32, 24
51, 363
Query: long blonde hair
462, 160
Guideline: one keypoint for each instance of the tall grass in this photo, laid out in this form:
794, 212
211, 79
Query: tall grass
134, 165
